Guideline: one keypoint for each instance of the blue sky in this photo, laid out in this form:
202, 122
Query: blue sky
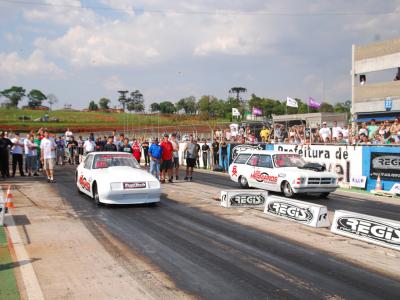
85, 50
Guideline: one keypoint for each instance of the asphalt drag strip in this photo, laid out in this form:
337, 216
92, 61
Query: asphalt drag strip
213, 258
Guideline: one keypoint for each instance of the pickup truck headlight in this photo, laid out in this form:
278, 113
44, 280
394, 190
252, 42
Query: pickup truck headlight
334, 180
300, 180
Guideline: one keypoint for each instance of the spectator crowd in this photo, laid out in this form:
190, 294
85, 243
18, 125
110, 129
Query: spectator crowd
38, 152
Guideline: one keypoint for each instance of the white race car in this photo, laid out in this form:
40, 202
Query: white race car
281, 172
116, 178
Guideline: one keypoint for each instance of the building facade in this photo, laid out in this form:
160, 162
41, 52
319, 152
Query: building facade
375, 100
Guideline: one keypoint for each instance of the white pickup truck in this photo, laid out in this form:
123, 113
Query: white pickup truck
281, 172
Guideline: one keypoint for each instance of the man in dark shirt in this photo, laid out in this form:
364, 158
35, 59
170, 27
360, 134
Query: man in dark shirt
205, 149
99, 145
72, 146
110, 146
5, 143
215, 151
145, 147
125, 147
198, 148
224, 155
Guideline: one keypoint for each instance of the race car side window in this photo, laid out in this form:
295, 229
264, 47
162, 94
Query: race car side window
242, 158
88, 162
253, 161
265, 161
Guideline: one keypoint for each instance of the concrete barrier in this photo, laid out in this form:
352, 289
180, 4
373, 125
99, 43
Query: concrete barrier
306, 213
243, 198
379, 231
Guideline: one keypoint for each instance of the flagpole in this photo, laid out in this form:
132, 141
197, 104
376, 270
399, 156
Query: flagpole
308, 112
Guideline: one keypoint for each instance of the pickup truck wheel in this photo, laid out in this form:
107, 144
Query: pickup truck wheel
243, 182
325, 195
287, 189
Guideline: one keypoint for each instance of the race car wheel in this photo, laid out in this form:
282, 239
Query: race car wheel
243, 182
96, 195
325, 195
287, 189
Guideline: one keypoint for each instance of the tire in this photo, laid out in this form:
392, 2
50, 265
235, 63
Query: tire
96, 195
243, 182
287, 189
325, 195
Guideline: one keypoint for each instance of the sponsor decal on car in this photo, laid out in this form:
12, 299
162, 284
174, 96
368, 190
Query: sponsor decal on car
84, 183
134, 185
234, 171
291, 211
264, 177
247, 199
371, 229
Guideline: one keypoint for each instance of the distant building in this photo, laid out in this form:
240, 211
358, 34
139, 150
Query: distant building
312, 119
380, 101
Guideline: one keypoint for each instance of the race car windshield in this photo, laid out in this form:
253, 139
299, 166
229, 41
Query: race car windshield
288, 160
116, 160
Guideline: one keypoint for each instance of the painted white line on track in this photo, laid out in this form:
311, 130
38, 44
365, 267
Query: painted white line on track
32, 287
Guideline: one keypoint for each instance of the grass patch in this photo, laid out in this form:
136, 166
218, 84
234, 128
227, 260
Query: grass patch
94, 121
8, 283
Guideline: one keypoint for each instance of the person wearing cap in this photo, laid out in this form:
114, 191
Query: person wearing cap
167, 154
5, 144
325, 132
155, 152
17, 155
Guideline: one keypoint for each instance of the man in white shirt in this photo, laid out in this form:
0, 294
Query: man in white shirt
336, 130
345, 132
88, 146
48, 156
325, 132
68, 135
17, 156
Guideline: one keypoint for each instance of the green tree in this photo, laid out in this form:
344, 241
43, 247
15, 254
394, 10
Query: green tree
123, 99
104, 103
14, 95
237, 90
167, 107
93, 106
135, 102
188, 104
154, 107
36, 98
326, 107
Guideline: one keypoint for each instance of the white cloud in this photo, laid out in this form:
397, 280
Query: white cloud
113, 83
12, 65
61, 12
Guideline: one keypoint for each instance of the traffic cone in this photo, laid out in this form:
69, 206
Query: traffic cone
9, 197
378, 186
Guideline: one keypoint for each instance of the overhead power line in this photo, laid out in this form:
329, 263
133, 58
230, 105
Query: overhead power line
205, 12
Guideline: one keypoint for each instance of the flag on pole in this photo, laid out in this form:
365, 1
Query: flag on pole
313, 104
291, 102
257, 111
235, 112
